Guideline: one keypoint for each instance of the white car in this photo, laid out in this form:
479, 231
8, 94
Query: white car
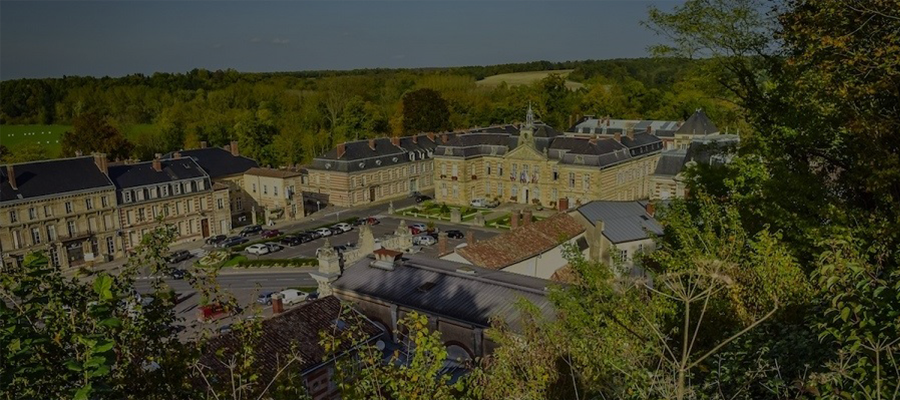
273, 247
291, 296
344, 226
258, 249
478, 203
424, 240
323, 232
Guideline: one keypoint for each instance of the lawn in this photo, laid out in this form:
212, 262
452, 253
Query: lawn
13, 136
526, 78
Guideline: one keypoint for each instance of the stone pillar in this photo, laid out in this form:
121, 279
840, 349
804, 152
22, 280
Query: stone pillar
514, 220
253, 215
277, 304
329, 269
442, 244
479, 219
470, 237
526, 217
366, 242
391, 207
563, 203
455, 215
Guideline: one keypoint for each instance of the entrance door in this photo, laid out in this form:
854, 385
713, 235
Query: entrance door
204, 227
224, 227
413, 185
75, 253
372, 193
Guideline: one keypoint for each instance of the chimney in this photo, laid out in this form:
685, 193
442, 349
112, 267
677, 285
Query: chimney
395, 140
157, 163
593, 140
607, 120
176, 155
514, 220
341, 149
78, 153
277, 304
444, 138
649, 129
651, 208
563, 203
415, 139
430, 136
470, 237
618, 137
372, 144
234, 149
203, 144
11, 173
631, 134
102, 163
442, 243
526, 217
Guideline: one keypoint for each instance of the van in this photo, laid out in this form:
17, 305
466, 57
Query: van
291, 296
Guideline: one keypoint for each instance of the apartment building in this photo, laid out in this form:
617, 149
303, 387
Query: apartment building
673, 134
64, 207
275, 192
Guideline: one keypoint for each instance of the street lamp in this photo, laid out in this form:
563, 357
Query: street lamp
318, 205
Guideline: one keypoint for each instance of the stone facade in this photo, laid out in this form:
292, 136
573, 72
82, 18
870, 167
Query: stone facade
276, 193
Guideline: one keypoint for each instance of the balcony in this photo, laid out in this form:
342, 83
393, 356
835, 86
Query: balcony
75, 236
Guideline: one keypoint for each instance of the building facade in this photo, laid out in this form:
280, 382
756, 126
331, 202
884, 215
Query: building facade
275, 192
374, 170
619, 232
674, 134
64, 207
668, 179
540, 166
173, 192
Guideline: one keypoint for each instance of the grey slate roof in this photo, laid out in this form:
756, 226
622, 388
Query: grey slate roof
670, 162
623, 221
52, 177
218, 162
697, 124
140, 174
592, 125
358, 155
706, 149
473, 298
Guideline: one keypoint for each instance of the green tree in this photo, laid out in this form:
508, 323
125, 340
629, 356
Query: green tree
425, 110
91, 132
24, 152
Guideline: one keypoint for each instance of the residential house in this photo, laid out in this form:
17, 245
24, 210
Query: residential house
64, 207
295, 332
176, 192
619, 231
277, 192
533, 249
668, 179
227, 166
540, 166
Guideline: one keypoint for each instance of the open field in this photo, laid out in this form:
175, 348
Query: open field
526, 78
13, 136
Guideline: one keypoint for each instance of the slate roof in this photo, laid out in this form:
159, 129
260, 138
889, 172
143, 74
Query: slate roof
522, 243
623, 221
670, 162
218, 162
298, 327
272, 172
358, 155
604, 126
52, 177
459, 291
703, 149
141, 174
697, 124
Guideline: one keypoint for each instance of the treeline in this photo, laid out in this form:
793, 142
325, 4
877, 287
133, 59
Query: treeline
288, 118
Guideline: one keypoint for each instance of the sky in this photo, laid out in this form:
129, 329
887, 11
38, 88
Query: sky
50, 39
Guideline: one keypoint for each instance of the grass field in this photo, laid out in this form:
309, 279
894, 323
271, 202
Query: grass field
13, 136
526, 78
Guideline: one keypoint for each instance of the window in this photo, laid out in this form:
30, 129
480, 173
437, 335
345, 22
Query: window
110, 245
537, 174
571, 180
488, 169
275, 190
265, 189
515, 191
515, 170
443, 190
177, 188
68, 207
554, 195
240, 203
487, 188
499, 169
443, 169
140, 214
166, 210
456, 191
189, 205
51, 232
13, 217
620, 178
623, 255
17, 240
455, 170
126, 196
89, 204
165, 190
177, 208
107, 222
640, 249
32, 213
536, 193
92, 224
155, 211
254, 188
353, 182
104, 201
585, 182
35, 236
48, 211
555, 173
72, 229
220, 203
129, 216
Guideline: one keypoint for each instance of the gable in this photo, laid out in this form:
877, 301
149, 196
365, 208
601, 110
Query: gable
525, 153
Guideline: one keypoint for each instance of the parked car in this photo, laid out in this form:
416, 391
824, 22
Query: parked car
273, 247
366, 221
258, 249
424, 240
306, 237
265, 298
291, 240
178, 274
212, 311
420, 198
178, 256
232, 241
478, 203
313, 234
291, 296
214, 240
414, 194
225, 329
313, 296
343, 226
251, 230
335, 230
324, 232
413, 250
270, 233
455, 234
492, 203
416, 229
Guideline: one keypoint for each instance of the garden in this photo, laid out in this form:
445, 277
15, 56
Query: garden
441, 211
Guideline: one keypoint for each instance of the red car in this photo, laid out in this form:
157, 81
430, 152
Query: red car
270, 233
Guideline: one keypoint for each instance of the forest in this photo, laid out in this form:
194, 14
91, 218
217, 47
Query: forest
288, 118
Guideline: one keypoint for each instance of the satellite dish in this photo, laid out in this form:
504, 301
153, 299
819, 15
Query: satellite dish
379, 345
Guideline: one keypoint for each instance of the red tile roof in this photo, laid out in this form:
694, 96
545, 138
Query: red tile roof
522, 243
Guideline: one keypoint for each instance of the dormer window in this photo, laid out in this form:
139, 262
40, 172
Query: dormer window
412, 156
377, 162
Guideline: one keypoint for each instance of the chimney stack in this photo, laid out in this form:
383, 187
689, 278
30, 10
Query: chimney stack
618, 137
607, 120
442, 243
563, 203
470, 237
78, 153
444, 138
372, 144
277, 304
651, 208
514, 220
649, 129
203, 144
415, 139
526, 217
157, 163
430, 136
176, 155
341, 149
234, 148
395, 140
102, 163
631, 134
11, 173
